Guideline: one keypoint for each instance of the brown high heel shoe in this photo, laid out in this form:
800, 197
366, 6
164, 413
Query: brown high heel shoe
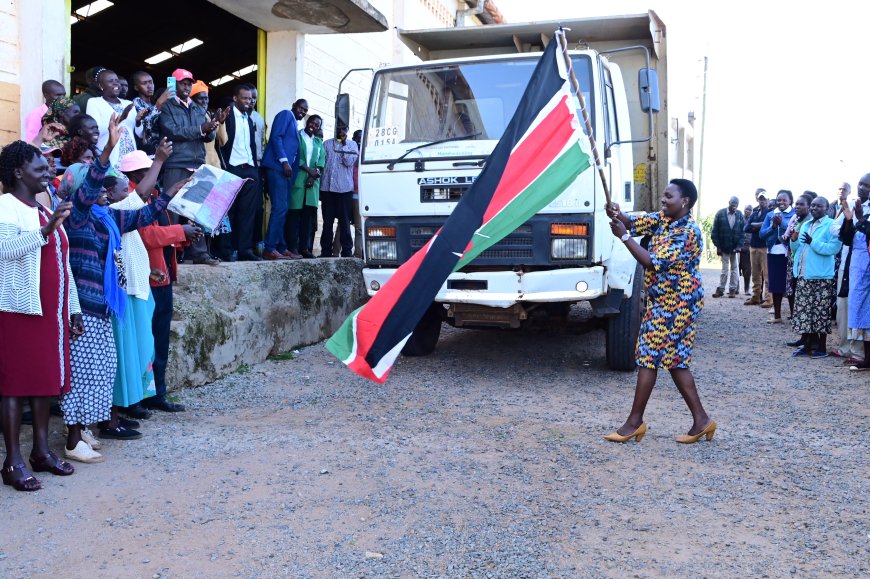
637, 435
709, 431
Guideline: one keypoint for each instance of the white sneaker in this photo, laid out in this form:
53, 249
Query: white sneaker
91, 440
83, 453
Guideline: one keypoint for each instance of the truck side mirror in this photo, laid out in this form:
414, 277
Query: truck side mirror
648, 85
342, 110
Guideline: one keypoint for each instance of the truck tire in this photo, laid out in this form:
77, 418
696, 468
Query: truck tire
622, 329
425, 336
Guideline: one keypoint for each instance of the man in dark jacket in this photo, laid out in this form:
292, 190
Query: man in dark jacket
237, 150
188, 127
727, 236
757, 251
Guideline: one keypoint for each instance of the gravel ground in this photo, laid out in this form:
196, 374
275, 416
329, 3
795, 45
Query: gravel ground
485, 459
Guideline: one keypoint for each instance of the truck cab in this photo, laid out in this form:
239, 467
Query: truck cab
429, 130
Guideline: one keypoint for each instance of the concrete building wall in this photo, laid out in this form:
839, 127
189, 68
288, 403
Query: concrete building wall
10, 98
34, 41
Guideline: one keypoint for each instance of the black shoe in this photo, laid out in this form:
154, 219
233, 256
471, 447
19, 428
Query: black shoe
162, 404
248, 256
136, 411
120, 433
127, 423
796, 344
306, 254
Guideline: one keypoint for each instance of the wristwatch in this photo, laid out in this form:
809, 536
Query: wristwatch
625, 238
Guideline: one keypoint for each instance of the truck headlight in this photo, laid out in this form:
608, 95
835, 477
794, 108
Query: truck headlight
567, 248
381, 249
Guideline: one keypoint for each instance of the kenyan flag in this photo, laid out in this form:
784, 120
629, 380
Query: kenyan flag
537, 158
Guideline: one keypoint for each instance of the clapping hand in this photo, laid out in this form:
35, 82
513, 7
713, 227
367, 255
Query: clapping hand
807, 239
114, 132
221, 115
140, 116
126, 112
76, 325
49, 131
56, 219
164, 150
859, 210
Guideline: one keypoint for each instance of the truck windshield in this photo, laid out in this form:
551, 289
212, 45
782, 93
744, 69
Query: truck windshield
466, 105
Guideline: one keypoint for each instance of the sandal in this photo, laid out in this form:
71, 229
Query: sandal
52, 464
24, 483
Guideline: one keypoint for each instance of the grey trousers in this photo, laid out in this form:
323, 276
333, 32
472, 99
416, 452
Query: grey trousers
729, 275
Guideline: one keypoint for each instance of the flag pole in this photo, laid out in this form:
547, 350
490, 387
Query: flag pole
563, 45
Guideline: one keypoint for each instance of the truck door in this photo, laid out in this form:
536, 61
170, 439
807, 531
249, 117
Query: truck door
617, 128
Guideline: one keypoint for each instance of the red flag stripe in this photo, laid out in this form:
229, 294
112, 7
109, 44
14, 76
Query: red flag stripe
371, 318
533, 156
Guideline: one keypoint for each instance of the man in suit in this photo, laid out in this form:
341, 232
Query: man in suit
281, 164
238, 153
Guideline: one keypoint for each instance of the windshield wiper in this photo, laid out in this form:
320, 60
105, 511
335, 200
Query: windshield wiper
392, 164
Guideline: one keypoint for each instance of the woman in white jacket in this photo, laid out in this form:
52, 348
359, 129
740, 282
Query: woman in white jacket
39, 311
102, 108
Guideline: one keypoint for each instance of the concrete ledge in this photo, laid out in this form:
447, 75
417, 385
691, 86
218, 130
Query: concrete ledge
243, 312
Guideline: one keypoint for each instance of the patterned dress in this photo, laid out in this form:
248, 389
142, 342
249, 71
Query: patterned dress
674, 291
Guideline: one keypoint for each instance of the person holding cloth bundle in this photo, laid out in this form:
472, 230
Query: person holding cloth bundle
675, 298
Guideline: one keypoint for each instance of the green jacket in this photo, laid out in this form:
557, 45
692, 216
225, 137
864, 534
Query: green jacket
299, 195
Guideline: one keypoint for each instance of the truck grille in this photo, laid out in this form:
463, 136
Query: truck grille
517, 245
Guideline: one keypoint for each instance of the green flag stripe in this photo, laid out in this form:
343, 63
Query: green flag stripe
549, 185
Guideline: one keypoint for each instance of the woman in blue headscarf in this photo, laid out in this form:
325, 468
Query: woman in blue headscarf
94, 232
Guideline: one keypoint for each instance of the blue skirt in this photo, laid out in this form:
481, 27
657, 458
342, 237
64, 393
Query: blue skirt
776, 266
134, 344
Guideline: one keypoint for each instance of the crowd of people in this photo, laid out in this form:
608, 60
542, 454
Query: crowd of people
89, 252
810, 251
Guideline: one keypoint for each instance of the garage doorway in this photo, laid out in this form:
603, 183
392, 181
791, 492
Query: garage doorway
160, 36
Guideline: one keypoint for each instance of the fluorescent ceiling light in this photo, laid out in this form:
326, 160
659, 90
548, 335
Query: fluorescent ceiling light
244, 71
185, 46
224, 79
92, 8
159, 57
235, 75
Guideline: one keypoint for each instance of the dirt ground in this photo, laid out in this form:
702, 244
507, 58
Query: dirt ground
485, 459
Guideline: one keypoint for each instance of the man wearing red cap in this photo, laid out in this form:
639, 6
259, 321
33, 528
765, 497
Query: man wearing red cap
188, 127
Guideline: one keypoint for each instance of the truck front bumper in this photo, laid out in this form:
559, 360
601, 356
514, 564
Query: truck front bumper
502, 289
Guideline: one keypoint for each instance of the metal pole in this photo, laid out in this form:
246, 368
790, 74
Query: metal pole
563, 45
701, 151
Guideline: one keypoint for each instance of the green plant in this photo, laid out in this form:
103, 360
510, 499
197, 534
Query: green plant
243, 368
706, 225
288, 355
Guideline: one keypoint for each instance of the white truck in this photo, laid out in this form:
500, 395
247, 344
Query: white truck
429, 129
